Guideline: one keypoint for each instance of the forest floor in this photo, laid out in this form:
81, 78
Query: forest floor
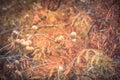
78, 41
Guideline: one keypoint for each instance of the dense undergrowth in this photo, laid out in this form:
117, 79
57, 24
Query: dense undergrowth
80, 40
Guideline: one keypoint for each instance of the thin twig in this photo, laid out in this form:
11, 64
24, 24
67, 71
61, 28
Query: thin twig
76, 18
46, 37
4, 47
91, 27
6, 31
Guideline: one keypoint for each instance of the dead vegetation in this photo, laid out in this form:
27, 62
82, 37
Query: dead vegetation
75, 42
